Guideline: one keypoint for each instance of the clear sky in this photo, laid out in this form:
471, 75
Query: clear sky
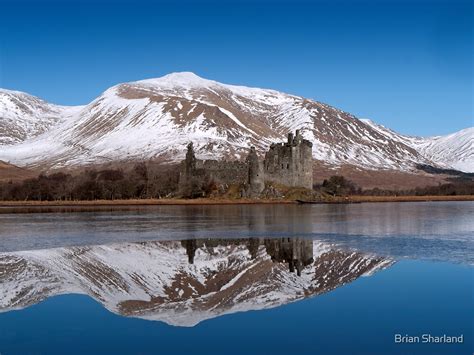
405, 64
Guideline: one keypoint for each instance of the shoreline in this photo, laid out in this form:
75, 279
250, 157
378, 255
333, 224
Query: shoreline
141, 202
428, 198
204, 201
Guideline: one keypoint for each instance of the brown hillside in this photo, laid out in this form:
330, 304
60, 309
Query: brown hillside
12, 172
383, 179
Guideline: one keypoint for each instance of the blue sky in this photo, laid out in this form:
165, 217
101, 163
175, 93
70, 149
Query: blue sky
405, 64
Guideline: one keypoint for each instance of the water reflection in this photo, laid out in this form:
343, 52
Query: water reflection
183, 282
436, 231
296, 252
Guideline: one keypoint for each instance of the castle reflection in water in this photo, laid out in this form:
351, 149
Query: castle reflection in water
297, 252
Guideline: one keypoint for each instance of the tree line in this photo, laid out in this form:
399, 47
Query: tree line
148, 181
141, 181
341, 186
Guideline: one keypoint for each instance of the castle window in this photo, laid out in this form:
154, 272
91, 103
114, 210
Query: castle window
282, 166
287, 166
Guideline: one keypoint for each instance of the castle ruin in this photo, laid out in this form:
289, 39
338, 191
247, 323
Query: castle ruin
288, 164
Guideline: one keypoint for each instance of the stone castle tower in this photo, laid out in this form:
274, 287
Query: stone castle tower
190, 161
256, 177
290, 163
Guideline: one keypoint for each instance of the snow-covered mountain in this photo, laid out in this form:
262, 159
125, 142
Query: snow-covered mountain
182, 282
156, 118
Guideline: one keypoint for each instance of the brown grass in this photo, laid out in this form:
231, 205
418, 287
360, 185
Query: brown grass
220, 201
143, 202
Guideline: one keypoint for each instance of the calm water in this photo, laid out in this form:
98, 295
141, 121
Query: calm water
329, 279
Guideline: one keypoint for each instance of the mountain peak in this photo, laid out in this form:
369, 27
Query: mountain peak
181, 79
183, 75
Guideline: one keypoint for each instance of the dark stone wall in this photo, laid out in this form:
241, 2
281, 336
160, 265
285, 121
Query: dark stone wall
222, 171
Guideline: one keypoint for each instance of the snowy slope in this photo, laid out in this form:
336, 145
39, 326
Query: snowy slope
156, 281
156, 118
23, 116
455, 150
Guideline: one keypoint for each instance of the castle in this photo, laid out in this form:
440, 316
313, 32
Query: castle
288, 164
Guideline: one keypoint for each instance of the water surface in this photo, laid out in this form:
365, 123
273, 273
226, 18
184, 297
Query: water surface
331, 279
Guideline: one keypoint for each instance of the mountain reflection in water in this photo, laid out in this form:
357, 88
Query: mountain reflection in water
183, 282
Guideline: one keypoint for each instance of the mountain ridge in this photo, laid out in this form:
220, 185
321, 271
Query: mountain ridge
156, 118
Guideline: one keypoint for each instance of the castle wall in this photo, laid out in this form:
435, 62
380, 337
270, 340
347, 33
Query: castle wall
222, 171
